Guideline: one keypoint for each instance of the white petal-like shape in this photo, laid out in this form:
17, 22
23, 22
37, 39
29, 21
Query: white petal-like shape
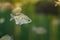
6, 37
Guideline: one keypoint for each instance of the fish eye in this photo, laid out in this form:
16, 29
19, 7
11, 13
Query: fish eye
28, 20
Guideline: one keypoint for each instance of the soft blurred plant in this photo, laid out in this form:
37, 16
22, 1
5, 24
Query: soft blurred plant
2, 20
57, 3
4, 6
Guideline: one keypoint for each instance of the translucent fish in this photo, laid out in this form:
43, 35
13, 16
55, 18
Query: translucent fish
6, 37
20, 19
39, 30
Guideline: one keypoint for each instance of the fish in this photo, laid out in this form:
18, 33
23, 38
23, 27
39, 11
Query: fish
20, 19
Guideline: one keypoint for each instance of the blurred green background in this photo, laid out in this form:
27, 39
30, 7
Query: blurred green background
25, 32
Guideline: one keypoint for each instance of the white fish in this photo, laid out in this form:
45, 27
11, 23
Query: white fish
20, 19
6, 37
39, 30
